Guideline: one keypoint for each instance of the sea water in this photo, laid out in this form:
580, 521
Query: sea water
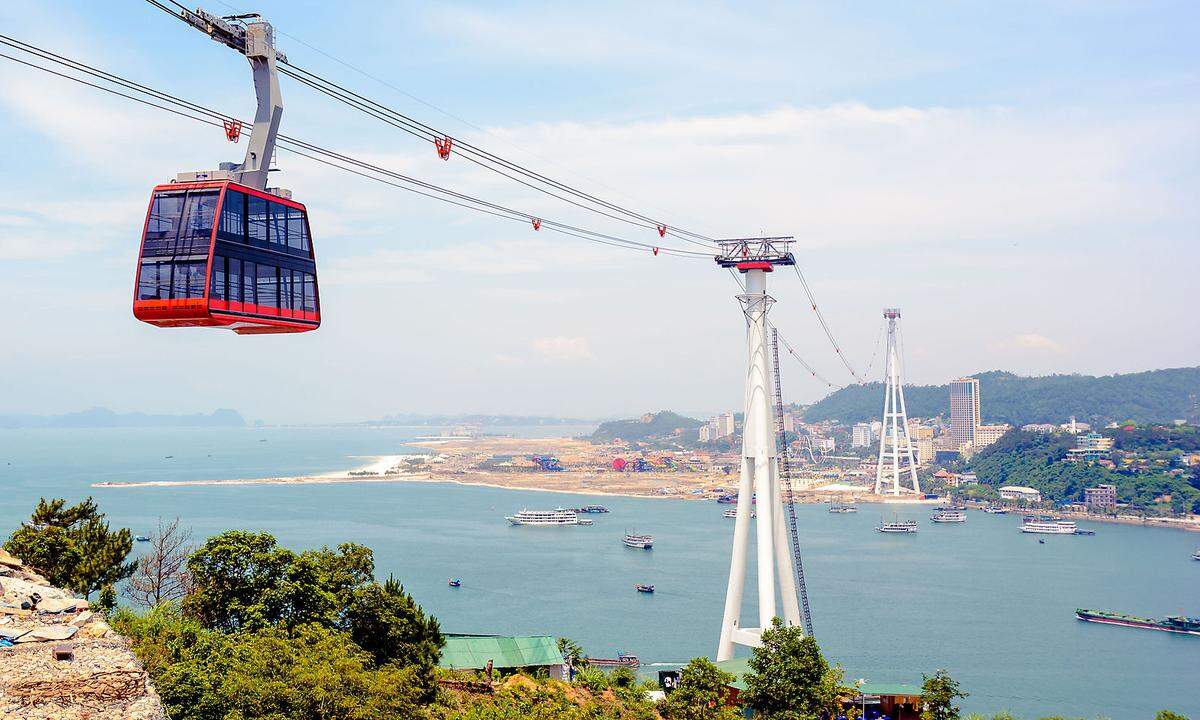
981, 599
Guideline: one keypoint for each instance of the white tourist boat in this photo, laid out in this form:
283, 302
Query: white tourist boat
995, 509
897, 526
842, 508
633, 540
1049, 526
732, 513
948, 516
558, 516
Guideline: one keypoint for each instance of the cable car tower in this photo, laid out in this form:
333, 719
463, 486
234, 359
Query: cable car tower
759, 484
895, 446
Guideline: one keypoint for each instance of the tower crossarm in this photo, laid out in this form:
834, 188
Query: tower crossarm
736, 252
228, 31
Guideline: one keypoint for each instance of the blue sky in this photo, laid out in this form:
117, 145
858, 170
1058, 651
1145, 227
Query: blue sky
1020, 178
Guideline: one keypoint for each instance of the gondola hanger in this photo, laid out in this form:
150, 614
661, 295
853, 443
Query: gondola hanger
233, 129
443, 146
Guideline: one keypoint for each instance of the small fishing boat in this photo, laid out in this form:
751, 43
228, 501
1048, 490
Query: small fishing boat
454, 582
644, 588
995, 509
622, 660
142, 538
1041, 541
592, 509
642, 542
842, 508
1196, 556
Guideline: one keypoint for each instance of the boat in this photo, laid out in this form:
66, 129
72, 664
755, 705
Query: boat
454, 582
592, 509
558, 516
644, 588
643, 542
1049, 527
727, 500
995, 509
948, 516
1041, 541
621, 660
142, 538
842, 508
1080, 531
732, 513
897, 526
1196, 555
1171, 623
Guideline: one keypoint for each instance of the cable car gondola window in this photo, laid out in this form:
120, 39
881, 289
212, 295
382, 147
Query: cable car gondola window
196, 230
297, 232
233, 217
310, 293
248, 283
154, 282
278, 221
268, 286
235, 280
188, 280
297, 290
163, 224
256, 221
217, 289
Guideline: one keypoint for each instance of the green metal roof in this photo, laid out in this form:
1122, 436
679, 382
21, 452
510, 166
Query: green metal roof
875, 688
738, 667
472, 652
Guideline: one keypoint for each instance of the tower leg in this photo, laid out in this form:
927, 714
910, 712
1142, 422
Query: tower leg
737, 565
783, 565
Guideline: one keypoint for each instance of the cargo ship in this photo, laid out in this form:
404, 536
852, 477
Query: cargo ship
1172, 623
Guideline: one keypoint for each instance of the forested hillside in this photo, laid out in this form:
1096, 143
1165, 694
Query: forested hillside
1154, 396
663, 425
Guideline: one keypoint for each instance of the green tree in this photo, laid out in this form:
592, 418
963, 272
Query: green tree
938, 693
789, 678
73, 546
701, 694
244, 580
1168, 715
572, 652
387, 623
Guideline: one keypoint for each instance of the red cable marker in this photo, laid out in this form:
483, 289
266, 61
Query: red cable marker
656, 251
233, 129
662, 230
537, 224
443, 147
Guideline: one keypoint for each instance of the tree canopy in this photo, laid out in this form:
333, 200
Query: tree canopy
701, 694
73, 546
790, 678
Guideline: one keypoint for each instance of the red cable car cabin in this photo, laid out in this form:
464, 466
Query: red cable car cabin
220, 254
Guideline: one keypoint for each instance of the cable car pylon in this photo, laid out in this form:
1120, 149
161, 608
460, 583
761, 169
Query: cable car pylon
758, 487
219, 248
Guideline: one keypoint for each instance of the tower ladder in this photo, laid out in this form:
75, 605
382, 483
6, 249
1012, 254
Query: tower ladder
785, 476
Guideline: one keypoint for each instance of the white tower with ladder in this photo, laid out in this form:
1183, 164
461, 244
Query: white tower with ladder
895, 446
759, 485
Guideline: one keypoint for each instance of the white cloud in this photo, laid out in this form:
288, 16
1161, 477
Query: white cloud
563, 349
1029, 341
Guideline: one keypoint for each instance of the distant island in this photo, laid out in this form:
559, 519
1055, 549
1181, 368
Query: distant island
1153, 396
659, 426
419, 420
104, 418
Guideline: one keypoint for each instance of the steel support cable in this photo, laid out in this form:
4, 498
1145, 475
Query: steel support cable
875, 352
429, 105
215, 118
791, 350
481, 163
431, 133
824, 325
419, 129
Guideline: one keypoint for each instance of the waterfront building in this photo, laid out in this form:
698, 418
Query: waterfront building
512, 653
922, 437
1090, 447
861, 435
1101, 497
987, 434
964, 410
725, 425
1020, 493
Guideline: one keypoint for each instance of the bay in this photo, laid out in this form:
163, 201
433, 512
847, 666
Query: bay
980, 599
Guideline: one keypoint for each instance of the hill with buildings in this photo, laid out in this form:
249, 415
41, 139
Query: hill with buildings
1153, 396
651, 426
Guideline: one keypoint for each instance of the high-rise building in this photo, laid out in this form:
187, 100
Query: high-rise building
861, 435
1101, 497
964, 410
922, 437
725, 424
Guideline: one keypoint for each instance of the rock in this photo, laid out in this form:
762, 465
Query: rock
53, 605
48, 632
95, 630
7, 558
83, 618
